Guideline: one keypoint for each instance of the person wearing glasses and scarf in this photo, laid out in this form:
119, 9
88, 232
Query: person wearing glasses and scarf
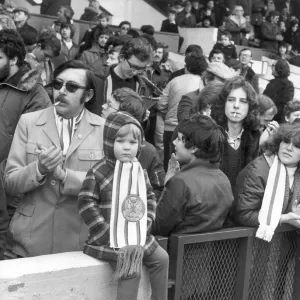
51, 152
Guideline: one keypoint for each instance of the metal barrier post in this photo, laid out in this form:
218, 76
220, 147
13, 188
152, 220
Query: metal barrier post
244, 269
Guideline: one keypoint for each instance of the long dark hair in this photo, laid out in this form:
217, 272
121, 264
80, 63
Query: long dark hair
251, 121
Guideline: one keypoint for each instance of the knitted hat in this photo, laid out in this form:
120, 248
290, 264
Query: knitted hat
19, 8
219, 69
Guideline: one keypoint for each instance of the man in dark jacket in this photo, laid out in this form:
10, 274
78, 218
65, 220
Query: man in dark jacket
27, 32
20, 90
270, 32
198, 198
186, 18
247, 72
20, 93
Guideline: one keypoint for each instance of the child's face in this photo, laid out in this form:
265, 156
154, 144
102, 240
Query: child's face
225, 40
206, 23
126, 148
182, 154
293, 115
282, 50
103, 22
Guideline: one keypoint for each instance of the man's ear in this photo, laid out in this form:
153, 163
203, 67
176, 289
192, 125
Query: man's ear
90, 94
194, 150
287, 119
13, 62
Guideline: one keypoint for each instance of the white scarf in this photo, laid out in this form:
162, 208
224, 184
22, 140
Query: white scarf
272, 204
66, 129
128, 222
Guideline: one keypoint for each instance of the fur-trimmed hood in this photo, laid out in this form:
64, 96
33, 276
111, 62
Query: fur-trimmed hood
26, 78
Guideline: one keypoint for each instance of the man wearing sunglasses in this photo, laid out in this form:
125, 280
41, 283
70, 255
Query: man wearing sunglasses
51, 152
134, 57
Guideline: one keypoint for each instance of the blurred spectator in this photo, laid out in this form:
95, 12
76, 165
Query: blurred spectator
236, 24
208, 11
235, 66
196, 49
124, 26
270, 32
28, 33
44, 54
100, 37
216, 55
217, 72
170, 24
65, 15
258, 11
292, 35
191, 199
289, 6
133, 33
113, 56
168, 103
267, 111
91, 12
226, 46
249, 35
68, 48
247, 72
87, 40
221, 12
196, 7
50, 7
186, 18
237, 112
291, 111
21, 89
148, 29
207, 22
295, 61
151, 40
134, 57
6, 22
280, 89
159, 74
282, 52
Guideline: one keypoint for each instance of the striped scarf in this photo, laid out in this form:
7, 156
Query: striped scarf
276, 196
66, 129
128, 222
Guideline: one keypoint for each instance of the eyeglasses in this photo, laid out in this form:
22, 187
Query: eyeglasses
136, 67
71, 87
125, 28
110, 106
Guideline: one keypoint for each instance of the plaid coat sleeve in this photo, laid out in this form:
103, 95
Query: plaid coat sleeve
151, 203
90, 209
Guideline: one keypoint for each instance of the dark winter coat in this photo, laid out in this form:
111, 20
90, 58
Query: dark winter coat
90, 15
21, 93
249, 192
195, 200
29, 34
166, 26
268, 36
280, 90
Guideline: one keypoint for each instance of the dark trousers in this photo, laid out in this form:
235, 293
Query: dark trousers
158, 267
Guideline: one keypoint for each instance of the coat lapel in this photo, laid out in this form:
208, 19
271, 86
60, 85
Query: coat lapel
47, 120
84, 129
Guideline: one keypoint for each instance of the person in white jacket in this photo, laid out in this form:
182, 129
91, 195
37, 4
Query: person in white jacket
175, 89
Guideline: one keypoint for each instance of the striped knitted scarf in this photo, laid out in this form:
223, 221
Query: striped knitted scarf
128, 222
276, 198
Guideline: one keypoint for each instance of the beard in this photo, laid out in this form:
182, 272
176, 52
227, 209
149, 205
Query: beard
4, 72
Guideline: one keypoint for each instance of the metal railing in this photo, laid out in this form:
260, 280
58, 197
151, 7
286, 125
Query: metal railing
231, 264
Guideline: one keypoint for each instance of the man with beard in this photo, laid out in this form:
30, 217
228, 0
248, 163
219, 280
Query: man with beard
27, 32
51, 152
20, 93
159, 74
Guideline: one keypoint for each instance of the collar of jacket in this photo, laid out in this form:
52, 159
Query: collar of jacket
96, 49
199, 162
25, 79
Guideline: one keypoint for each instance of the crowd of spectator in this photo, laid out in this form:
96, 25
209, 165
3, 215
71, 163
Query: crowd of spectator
100, 125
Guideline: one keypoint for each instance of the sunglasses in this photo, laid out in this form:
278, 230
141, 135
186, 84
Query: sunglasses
136, 67
71, 87
125, 28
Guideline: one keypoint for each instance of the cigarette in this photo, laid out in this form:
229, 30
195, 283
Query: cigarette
234, 115
56, 103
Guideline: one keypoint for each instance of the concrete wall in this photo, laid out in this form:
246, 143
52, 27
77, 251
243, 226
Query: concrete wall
65, 276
